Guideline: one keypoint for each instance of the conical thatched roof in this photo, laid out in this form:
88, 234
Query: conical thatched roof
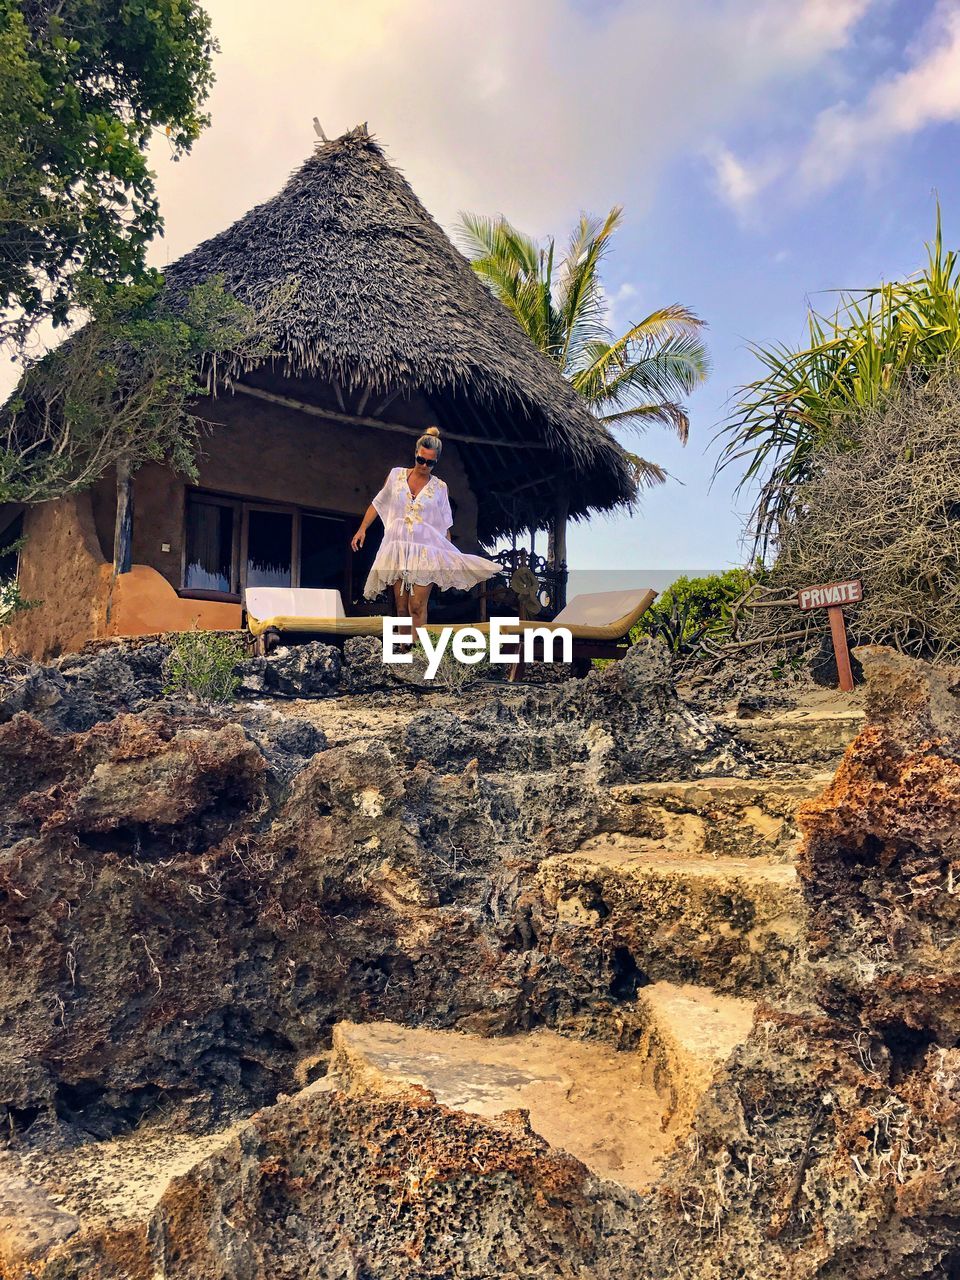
382, 298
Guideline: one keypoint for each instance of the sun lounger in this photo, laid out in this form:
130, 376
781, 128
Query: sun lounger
600, 623
312, 611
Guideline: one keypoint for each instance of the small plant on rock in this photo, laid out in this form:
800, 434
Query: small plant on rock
451, 674
202, 665
693, 609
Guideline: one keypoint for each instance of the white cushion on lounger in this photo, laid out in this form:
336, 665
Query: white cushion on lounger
293, 602
599, 609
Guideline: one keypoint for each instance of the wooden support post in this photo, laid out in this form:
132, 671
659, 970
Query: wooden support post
123, 529
838, 630
558, 558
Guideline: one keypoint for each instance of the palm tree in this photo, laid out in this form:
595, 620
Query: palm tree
634, 380
854, 357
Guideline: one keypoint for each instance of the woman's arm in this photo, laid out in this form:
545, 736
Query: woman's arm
446, 514
380, 503
369, 516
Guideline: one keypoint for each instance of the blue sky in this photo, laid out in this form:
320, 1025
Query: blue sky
750, 268
764, 151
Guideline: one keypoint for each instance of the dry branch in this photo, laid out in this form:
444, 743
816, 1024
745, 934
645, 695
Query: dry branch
883, 505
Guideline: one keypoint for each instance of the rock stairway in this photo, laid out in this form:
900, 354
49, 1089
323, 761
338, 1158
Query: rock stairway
689, 1033
799, 739
739, 817
688, 895
617, 1113
695, 879
730, 923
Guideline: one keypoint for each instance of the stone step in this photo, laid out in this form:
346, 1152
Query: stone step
618, 1112
689, 1034
797, 738
726, 923
47, 1197
712, 817
584, 1097
326, 1184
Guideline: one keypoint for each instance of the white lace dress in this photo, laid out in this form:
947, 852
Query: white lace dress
415, 547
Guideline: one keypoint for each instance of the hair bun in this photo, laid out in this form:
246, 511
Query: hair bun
432, 431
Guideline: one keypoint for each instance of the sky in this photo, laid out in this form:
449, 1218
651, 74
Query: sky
765, 152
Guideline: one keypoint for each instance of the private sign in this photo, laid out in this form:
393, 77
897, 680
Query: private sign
831, 595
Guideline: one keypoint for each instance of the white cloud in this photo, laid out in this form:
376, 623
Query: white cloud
533, 109
737, 183
812, 27
926, 93
849, 137
619, 303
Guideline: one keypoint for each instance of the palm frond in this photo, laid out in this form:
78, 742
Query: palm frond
854, 358
634, 380
580, 299
663, 413
647, 474
484, 237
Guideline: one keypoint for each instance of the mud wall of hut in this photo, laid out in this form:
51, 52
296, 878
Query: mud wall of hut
62, 568
267, 452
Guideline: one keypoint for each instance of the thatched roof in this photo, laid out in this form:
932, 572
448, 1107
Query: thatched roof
383, 298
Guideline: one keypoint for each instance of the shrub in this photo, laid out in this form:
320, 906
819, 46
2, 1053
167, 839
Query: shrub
451, 674
202, 664
883, 505
692, 609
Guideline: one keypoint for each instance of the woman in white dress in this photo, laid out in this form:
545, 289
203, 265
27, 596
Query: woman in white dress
416, 552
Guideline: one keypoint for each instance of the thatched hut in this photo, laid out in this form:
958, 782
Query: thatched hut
385, 329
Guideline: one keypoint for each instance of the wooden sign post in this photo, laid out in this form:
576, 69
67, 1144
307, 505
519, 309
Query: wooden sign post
832, 597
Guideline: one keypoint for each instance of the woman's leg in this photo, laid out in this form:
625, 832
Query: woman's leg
402, 601
418, 605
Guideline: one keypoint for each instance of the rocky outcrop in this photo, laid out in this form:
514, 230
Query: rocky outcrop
624, 721
883, 854
828, 1148
104, 680
190, 899
190, 903
331, 1185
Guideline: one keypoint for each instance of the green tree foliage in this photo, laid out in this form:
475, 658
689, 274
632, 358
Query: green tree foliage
12, 599
692, 609
84, 84
124, 387
853, 359
633, 380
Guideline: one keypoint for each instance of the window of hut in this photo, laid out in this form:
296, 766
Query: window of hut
231, 544
209, 564
269, 548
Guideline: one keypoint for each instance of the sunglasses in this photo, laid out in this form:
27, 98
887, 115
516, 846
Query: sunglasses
426, 462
